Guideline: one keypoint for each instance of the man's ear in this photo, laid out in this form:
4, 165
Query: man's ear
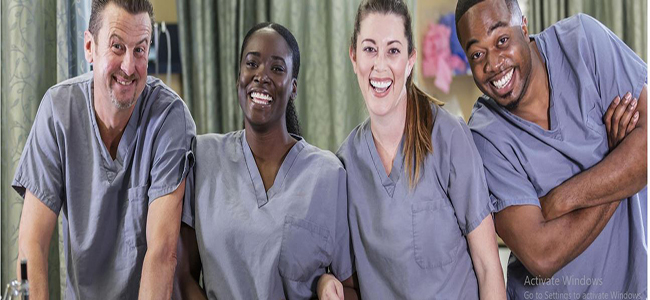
524, 25
89, 46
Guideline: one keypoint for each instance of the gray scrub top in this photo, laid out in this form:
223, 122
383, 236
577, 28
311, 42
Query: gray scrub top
587, 67
267, 245
411, 244
66, 165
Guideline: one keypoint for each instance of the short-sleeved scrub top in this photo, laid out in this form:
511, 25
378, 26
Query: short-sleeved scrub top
411, 243
104, 201
275, 244
588, 66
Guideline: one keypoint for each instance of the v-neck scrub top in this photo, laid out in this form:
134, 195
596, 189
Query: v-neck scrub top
66, 165
411, 243
267, 245
588, 66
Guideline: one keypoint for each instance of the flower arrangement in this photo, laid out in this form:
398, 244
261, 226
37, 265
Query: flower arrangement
443, 55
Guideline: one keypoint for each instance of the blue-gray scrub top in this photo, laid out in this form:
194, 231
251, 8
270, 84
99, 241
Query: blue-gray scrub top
411, 244
587, 67
256, 244
66, 165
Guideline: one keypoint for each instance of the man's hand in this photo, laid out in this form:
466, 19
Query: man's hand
620, 118
330, 288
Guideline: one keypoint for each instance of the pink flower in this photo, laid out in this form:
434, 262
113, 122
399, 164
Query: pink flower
438, 60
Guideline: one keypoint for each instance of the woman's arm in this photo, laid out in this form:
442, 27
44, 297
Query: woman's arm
485, 256
188, 270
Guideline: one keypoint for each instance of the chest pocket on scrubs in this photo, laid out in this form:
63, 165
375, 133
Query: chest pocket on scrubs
435, 234
305, 248
595, 120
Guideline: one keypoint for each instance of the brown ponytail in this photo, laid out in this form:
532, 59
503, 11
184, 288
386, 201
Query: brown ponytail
417, 130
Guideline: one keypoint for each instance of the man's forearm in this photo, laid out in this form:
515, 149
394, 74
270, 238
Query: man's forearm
545, 247
36, 256
157, 274
619, 175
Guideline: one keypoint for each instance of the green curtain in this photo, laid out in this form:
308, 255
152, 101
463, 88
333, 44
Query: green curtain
329, 102
41, 45
626, 18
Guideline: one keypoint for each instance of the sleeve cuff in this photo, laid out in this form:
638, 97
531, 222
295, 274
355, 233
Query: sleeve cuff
472, 225
21, 186
188, 162
500, 204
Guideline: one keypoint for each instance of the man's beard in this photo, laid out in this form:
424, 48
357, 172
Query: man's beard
121, 105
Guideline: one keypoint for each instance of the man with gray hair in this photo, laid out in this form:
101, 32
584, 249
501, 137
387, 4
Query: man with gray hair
111, 149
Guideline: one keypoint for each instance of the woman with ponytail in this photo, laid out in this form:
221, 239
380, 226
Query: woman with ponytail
265, 213
419, 210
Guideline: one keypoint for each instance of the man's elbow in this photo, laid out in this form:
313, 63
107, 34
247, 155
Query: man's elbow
543, 266
163, 253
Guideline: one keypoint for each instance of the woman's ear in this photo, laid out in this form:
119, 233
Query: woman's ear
411, 63
353, 59
294, 89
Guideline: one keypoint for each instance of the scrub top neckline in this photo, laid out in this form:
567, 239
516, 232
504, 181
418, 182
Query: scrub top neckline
261, 194
113, 166
388, 181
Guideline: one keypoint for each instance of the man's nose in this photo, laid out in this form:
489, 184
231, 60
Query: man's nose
128, 64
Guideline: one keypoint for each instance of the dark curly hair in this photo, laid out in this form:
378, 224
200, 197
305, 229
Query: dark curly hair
293, 125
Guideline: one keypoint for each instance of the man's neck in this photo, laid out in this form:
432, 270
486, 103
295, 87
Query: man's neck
111, 122
535, 103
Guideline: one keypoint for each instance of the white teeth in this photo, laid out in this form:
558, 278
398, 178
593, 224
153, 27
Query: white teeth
380, 84
124, 82
499, 84
261, 98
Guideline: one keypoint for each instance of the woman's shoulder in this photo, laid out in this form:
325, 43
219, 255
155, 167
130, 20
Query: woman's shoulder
313, 156
353, 141
446, 123
212, 146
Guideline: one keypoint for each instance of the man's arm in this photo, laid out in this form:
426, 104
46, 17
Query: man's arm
37, 223
188, 271
163, 225
544, 247
621, 174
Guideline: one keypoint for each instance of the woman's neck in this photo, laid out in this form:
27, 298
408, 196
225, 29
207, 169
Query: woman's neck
269, 145
387, 131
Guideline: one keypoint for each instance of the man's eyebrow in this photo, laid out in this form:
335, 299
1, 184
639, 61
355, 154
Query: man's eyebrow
492, 28
114, 35
144, 40
495, 26
470, 43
